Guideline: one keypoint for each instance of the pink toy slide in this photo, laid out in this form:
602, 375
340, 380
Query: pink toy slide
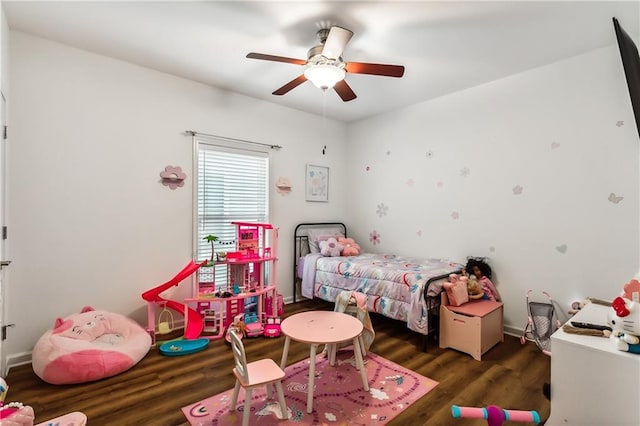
195, 323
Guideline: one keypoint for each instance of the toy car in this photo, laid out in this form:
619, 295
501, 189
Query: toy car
254, 329
272, 328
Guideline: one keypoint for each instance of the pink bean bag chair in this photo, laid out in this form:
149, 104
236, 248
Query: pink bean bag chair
89, 346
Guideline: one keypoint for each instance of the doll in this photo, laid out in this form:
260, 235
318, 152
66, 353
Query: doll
478, 267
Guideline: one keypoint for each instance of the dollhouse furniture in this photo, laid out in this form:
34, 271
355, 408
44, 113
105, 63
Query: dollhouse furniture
402, 288
264, 372
272, 327
251, 269
592, 382
473, 327
323, 327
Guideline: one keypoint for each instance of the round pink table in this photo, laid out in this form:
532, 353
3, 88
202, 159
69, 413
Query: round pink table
318, 328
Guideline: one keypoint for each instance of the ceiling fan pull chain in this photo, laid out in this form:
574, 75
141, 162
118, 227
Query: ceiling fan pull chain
324, 113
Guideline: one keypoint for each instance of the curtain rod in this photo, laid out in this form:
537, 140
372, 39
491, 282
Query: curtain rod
194, 133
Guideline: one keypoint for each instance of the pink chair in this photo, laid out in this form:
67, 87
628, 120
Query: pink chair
254, 374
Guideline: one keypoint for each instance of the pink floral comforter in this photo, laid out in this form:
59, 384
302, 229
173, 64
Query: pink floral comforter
394, 285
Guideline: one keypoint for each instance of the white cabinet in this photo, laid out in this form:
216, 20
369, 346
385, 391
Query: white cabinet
593, 383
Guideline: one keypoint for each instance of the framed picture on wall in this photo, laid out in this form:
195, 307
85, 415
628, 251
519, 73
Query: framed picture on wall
317, 183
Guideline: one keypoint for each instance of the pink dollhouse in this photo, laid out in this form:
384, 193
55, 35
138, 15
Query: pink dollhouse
250, 271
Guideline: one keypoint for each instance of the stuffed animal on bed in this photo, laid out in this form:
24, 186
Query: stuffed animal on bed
330, 247
350, 246
624, 318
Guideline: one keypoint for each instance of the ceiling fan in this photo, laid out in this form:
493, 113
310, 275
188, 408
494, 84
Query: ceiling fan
325, 67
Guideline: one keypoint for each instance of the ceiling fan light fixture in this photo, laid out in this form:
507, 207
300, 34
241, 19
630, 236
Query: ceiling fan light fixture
324, 76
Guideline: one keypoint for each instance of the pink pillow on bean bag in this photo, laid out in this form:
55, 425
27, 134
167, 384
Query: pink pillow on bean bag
89, 346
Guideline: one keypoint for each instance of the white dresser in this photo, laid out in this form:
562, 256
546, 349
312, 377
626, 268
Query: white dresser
592, 383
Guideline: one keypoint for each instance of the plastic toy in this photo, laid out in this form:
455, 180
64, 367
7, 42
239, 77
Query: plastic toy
624, 318
165, 321
183, 347
194, 319
494, 415
210, 321
272, 328
238, 326
541, 324
255, 329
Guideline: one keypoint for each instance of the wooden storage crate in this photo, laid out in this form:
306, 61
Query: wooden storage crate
473, 328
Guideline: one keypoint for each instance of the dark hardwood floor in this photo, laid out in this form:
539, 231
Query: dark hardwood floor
510, 375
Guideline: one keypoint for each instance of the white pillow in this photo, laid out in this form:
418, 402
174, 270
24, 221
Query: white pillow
316, 235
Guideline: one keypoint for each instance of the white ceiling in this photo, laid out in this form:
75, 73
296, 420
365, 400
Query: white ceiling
445, 46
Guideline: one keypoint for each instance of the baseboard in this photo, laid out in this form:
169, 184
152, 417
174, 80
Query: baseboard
289, 299
18, 359
513, 331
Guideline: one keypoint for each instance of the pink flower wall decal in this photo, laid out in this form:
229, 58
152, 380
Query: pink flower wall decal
374, 237
517, 190
455, 215
382, 210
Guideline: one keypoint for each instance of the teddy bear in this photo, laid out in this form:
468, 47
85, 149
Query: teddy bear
474, 288
624, 319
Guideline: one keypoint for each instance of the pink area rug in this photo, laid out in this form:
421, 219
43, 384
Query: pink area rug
339, 396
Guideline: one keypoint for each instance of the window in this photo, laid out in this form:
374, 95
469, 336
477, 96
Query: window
232, 185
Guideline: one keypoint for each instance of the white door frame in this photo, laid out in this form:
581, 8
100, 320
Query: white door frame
3, 217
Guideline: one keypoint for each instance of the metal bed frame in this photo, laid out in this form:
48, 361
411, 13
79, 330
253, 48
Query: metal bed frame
301, 247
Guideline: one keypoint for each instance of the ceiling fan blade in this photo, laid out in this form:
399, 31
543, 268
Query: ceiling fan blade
344, 91
375, 69
336, 41
290, 85
265, 57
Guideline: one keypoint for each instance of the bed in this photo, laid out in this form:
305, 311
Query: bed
398, 287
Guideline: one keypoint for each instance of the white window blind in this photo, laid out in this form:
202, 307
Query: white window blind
232, 185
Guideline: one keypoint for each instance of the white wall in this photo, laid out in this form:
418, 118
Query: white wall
89, 221
564, 134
